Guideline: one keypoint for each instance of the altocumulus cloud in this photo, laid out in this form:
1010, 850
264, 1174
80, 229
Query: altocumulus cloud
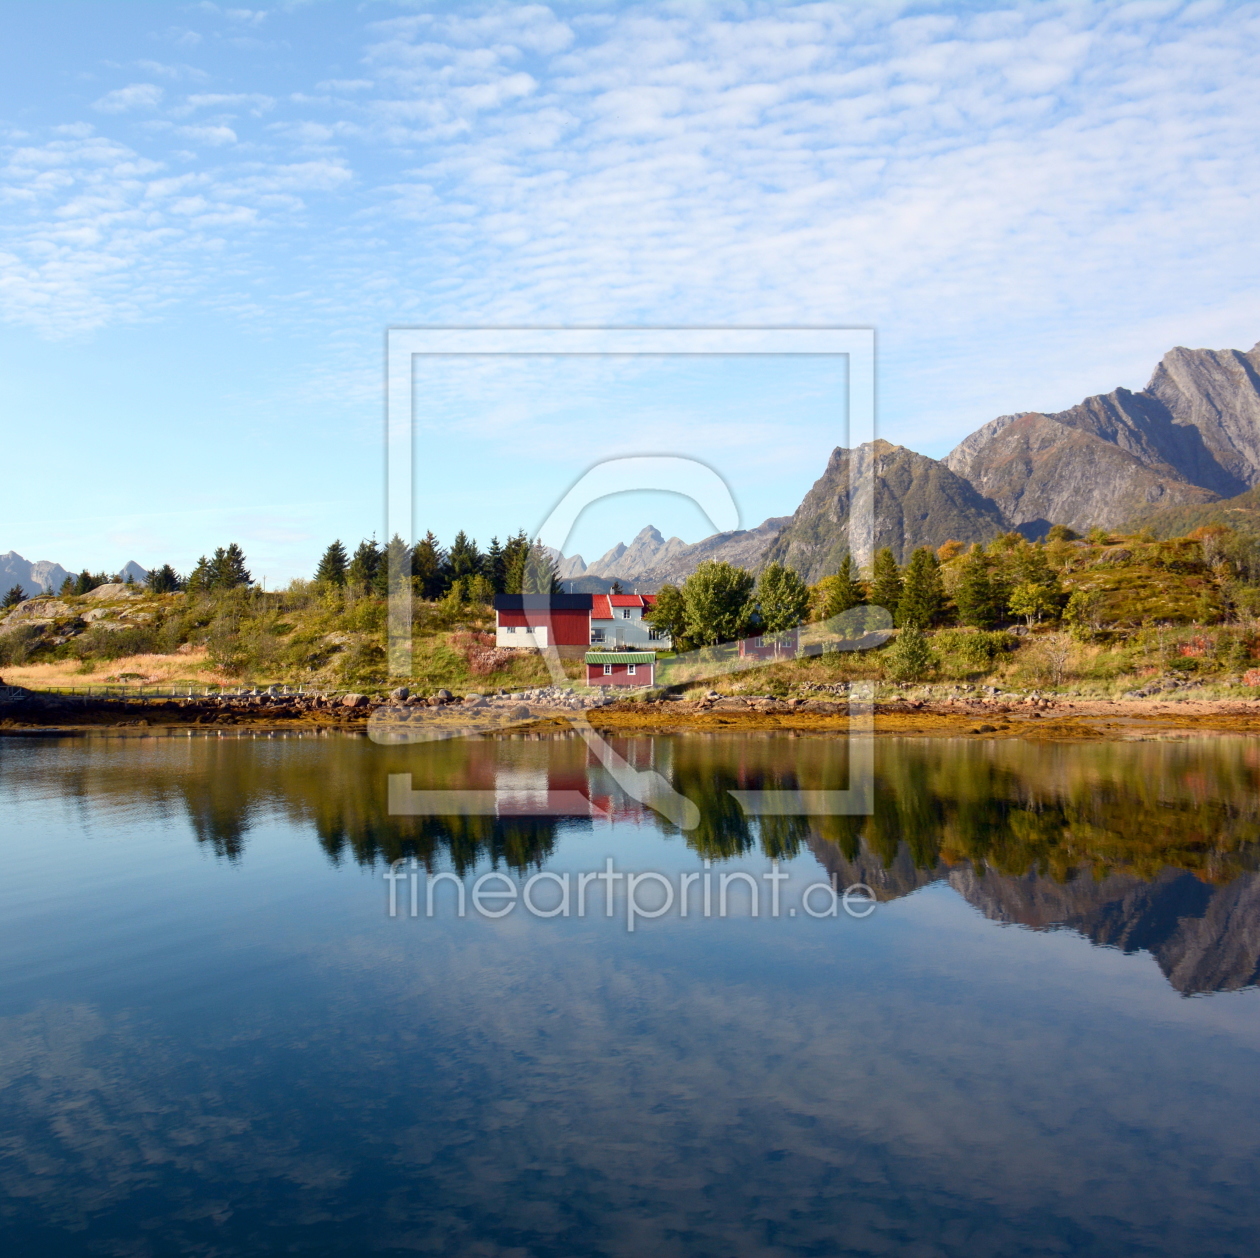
134, 96
988, 173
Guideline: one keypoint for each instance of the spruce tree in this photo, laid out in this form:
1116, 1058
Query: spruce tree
782, 598
227, 568
15, 595
492, 565
198, 579
886, 582
163, 580
515, 559
465, 558
975, 596
394, 570
844, 590
428, 564
361, 574
332, 566
922, 593
539, 576
67, 586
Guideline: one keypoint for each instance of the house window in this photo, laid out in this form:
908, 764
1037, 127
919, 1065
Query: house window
655, 635
630, 669
607, 670
509, 628
597, 635
625, 613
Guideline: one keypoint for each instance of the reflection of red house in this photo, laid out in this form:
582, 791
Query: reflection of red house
771, 646
620, 668
534, 621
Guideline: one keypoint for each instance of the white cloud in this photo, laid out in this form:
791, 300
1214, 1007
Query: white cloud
969, 181
134, 96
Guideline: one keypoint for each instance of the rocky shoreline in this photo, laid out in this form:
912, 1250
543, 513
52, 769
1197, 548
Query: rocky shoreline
977, 715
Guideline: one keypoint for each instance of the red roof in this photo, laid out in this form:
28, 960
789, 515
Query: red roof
602, 605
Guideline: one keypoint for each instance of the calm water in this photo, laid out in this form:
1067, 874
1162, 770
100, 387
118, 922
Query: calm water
215, 1040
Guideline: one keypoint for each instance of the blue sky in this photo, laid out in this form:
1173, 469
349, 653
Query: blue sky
210, 215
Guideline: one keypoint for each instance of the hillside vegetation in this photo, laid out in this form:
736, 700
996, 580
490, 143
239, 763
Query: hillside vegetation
1108, 614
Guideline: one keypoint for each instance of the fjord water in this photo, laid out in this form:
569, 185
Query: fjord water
215, 1040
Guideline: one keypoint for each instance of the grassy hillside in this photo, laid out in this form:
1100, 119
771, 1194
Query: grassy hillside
1241, 513
1126, 613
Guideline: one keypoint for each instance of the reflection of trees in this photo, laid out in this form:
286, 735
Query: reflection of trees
338, 786
1011, 808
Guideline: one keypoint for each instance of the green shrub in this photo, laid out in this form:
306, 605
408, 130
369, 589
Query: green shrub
18, 645
967, 653
909, 658
113, 644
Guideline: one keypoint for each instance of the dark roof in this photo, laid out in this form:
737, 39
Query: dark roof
542, 602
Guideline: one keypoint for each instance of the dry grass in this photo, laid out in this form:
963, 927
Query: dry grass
148, 670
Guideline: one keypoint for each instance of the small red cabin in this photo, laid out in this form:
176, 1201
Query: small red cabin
771, 646
621, 668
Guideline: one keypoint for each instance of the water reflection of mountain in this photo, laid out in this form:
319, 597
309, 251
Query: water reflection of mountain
1149, 846
1204, 937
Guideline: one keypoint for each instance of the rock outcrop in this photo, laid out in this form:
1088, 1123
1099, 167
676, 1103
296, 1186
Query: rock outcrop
918, 501
1192, 436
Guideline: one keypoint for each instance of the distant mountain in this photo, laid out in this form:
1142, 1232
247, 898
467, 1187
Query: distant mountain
650, 560
1192, 436
34, 578
918, 502
43, 575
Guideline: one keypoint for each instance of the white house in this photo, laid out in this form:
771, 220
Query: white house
617, 622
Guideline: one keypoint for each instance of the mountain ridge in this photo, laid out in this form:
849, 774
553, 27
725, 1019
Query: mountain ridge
1188, 440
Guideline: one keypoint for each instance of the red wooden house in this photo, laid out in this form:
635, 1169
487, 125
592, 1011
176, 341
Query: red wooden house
535, 621
620, 668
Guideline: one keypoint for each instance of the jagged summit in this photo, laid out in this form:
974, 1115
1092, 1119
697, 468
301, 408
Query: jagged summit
1191, 436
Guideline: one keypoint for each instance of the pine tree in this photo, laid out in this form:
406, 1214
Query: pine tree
86, 581
332, 566
428, 566
227, 568
67, 586
394, 570
922, 593
974, 595
616, 588
515, 559
1033, 590
465, 558
361, 574
844, 590
163, 580
198, 579
886, 582
15, 596
782, 598
539, 576
492, 566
